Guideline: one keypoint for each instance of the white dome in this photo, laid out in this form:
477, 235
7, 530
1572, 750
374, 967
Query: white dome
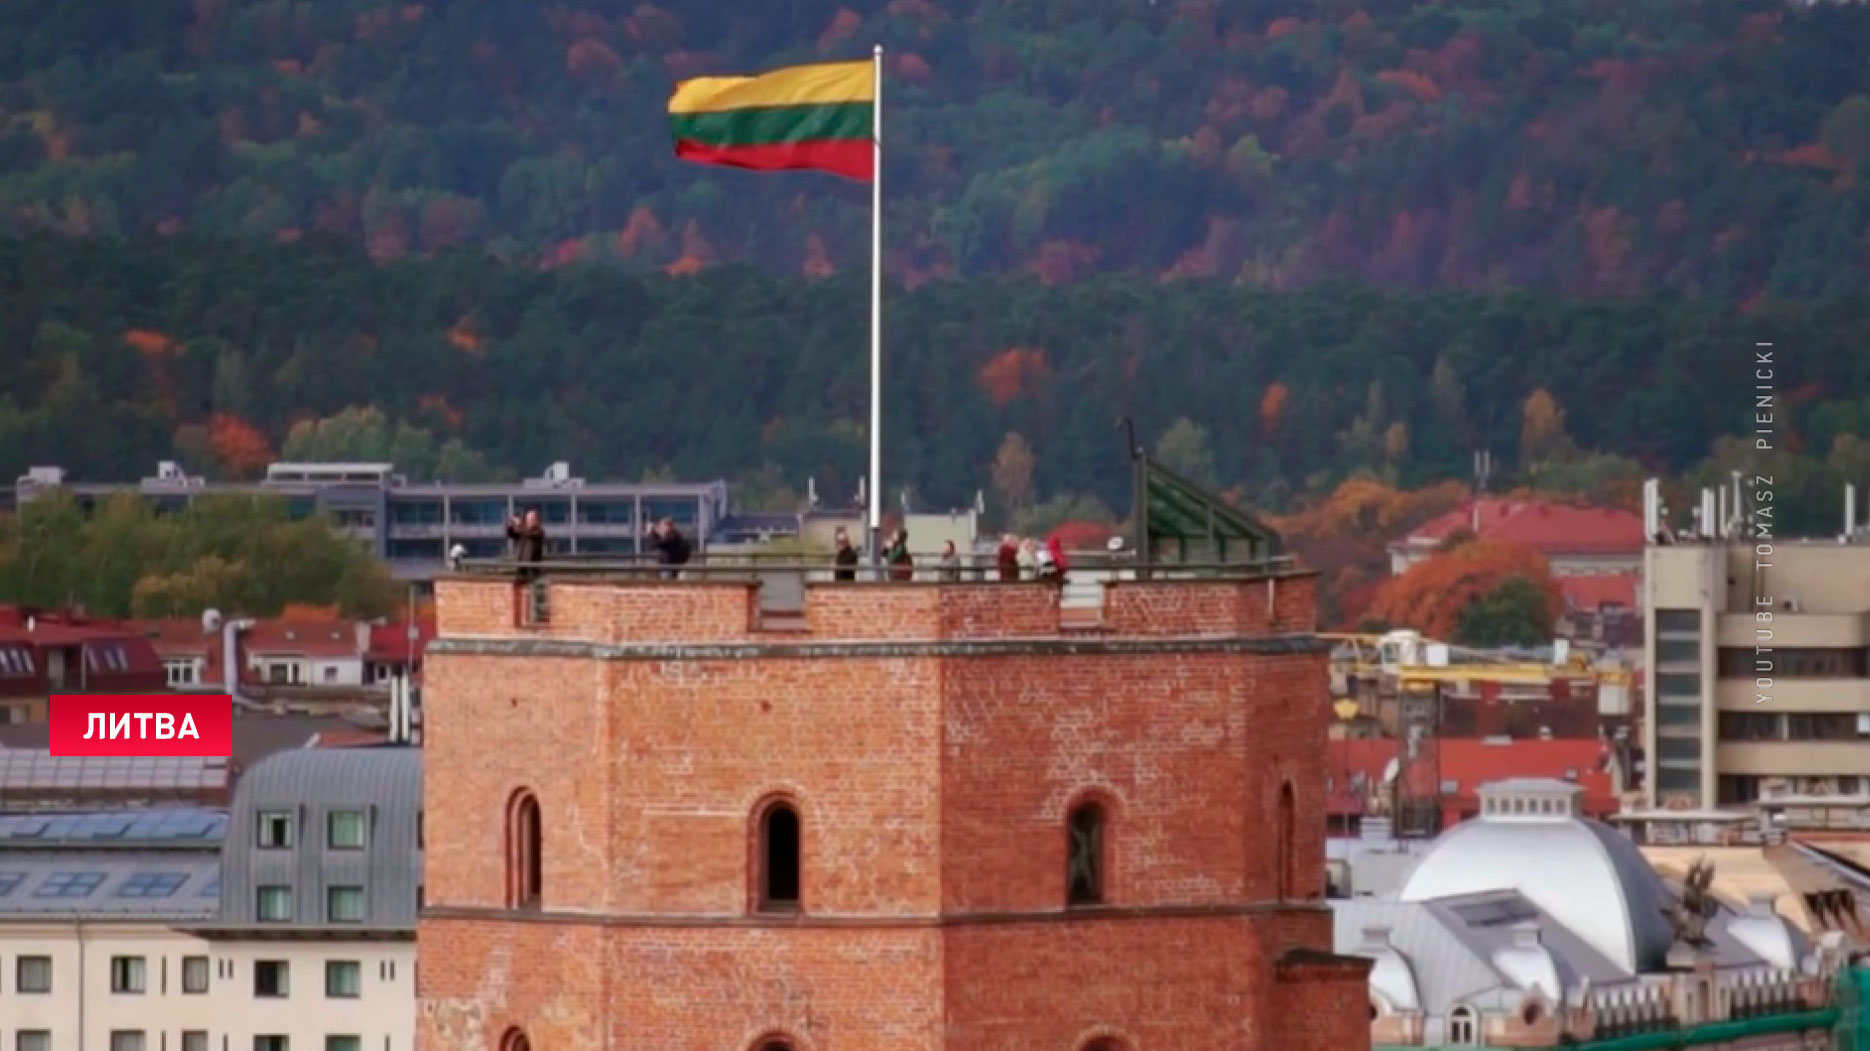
1582, 873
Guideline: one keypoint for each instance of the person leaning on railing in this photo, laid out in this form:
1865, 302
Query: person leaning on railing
527, 537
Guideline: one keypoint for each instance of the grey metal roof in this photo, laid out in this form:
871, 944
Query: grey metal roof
169, 826
153, 885
308, 786
23, 770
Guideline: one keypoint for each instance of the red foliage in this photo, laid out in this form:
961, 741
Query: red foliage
439, 407
844, 25
913, 68
151, 344
1011, 374
1283, 27
1416, 84
817, 259
1345, 536
643, 233
697, 253
1811, 155
1060, 262
590, 59
1081, 536
1431, 595
240, 447
1230, 102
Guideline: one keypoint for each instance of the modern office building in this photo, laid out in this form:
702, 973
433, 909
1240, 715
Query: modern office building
1758, 667
414, 526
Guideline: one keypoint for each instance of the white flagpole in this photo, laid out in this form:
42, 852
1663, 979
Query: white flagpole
874, 491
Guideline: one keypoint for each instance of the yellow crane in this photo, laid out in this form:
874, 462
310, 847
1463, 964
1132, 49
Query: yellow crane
1405, 661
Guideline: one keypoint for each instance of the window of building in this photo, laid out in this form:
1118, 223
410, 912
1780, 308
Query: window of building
275, 829
419, 829
344, 904
1678, 684
271, 1043
195, 1040
275, 904
1678, 622
778, 858
1084, 866
1794, 663
194, 974
1288, 842
33, 974
343, 1043
152, 884
1463, 1027
128, 974
775, 1045
271, 978
69, 885
524, 847
344, 830
344, 979
126, 1040
515, 1040
34, 1040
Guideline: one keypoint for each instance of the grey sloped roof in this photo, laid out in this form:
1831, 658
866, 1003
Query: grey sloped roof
23, 770
110, 884
308, 785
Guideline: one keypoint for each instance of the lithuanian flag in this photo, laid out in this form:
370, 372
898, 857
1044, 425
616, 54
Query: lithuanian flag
816, 117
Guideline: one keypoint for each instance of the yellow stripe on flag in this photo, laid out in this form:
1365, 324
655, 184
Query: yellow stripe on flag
826, 83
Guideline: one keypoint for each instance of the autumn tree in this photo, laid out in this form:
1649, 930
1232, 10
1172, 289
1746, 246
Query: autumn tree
1433, 595
1184, 449
239, 447
1012, 472
1542, 434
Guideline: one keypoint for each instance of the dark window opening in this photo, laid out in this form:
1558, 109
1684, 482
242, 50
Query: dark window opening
1288, 852
779, 859
525, 838
1084, 874
514, 1040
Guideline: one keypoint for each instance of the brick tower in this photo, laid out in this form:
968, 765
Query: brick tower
922, 817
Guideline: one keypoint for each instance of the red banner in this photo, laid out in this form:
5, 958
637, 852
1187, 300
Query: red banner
159, 724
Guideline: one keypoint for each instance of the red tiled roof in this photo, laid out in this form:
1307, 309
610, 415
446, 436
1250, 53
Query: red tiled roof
390, 642
1470, 763
328, 639
1590, 592
1545, 527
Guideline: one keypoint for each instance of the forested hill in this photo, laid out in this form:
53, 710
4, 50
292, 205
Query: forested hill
1716, 148
223, 354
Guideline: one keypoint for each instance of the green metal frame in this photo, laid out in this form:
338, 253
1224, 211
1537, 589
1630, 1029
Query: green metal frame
1169, 508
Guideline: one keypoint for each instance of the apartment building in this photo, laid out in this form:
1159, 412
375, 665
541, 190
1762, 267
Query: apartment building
286, 923
1758, 668
414, 526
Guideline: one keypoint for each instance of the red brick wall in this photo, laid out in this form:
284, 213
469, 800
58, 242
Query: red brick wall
1272, 605
926, 784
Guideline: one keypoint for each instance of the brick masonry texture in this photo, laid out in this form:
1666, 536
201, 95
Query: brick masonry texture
933, 785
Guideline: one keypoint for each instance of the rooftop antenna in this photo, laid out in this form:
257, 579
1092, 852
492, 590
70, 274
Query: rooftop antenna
1483, 470
811, 492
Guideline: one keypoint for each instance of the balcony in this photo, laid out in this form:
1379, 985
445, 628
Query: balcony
1793, 695
1796, 630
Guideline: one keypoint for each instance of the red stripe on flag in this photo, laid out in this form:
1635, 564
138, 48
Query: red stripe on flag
850, 158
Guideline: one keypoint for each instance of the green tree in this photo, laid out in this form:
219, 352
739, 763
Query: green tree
1514, 613
1184, 449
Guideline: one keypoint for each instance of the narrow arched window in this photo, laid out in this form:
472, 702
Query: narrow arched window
1288, 847
515, 1040
524, 852
775, 1045
779, 859
1084, 870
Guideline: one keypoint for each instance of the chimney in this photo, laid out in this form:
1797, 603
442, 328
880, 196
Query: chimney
1526, 935
360, 630
1652, 517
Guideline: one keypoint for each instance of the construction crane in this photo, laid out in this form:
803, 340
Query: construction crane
1405, 661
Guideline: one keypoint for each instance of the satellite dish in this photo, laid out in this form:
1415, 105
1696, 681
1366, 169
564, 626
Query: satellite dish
1115, 543
210, 621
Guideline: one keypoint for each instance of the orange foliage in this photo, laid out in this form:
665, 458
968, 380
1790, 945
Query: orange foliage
1219, 253
913, 68
1424, 89
1011, 374
1431, 595
291, 67
463, 336
151, 344
697, 253
1230, 102
1811, 155
240, 447
817, 259
1269, 104
643, 233
564, 253
592, 60
304, 611
1272, 408
844, 25
440, 407
1345, 537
